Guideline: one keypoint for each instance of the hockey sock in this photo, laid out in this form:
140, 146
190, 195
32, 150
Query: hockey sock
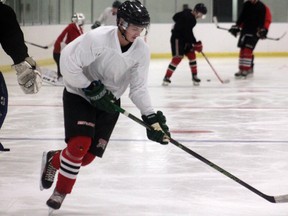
88, 158
173, 65
245, 59
56, 160
70, 163
192, 62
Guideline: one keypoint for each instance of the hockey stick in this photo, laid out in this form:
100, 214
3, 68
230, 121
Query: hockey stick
37, 45
219, 78
3, 149
215, 20
272, 199
276, 39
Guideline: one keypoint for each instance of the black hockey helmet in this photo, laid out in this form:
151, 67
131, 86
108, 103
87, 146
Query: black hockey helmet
116, 4
133, 12
201, 8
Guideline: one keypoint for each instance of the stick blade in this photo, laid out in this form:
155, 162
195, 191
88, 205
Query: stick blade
226, 81
281, 199
215, 20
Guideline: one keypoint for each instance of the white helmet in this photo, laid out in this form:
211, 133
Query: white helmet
78, 18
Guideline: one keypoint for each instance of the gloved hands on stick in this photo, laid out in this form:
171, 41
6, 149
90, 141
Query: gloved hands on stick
161, 132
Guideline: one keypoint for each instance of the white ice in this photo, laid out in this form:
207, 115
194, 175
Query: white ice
241, 126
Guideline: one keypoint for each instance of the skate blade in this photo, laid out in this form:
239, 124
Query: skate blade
247, 76
238, 77
196, 83
165, 83
43, 164
50, 211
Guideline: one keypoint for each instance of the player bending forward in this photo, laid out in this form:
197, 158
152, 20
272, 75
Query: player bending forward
97, 68
183, 42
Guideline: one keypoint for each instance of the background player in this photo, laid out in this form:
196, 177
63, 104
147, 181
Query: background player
253, 23
71, 32
108, 16
183, 41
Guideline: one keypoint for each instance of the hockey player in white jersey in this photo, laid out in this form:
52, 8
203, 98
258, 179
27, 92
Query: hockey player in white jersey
97, 69
108, 16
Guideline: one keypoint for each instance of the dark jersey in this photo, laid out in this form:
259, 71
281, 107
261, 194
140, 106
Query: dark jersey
11, 37
185, 21
254, 17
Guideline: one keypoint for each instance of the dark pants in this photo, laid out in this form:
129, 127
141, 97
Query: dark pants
3, 99
82, 119
177, 46
56, 57
248, 40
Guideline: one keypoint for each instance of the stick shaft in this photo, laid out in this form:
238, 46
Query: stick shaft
219, 78
215, 20
272, 199
37, 45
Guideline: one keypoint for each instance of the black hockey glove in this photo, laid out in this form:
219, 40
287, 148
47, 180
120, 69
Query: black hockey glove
100, 97
96, 25
234, 30
262, 33
161, 132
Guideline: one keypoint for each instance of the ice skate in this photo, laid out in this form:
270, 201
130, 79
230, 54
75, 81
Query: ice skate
48, 172
244, 74
196, 80
50, 211
247, 73
166, 81
55, 201
238, 75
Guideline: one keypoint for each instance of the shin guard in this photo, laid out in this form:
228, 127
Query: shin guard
173, 65
245, 59
88, 158
70, 163
192, 62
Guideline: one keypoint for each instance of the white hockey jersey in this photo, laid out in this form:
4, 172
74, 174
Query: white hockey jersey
107, 17
97, 55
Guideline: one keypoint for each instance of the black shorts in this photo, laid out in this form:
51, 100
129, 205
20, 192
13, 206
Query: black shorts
177, 46
247, 40
82, 119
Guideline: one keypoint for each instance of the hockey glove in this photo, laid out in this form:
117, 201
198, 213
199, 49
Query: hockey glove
28, 76
161, 132
100, 97
262, 33
198, 46
234, 30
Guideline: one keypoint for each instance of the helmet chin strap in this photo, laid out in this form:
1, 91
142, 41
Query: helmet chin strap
123, 31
